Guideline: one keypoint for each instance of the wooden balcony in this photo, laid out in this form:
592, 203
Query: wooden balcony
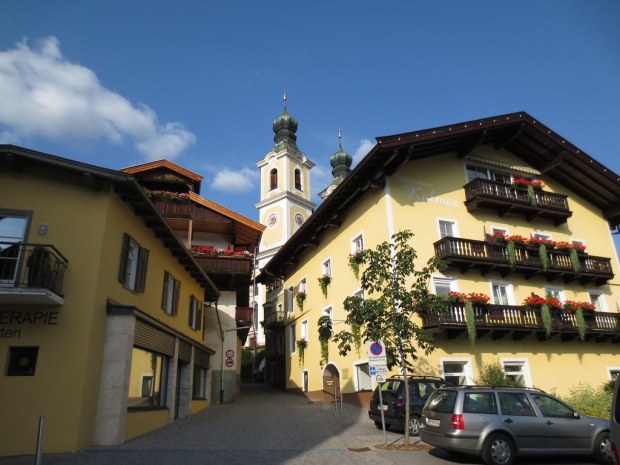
244, 316
468, 254
224, 264
517, 322
507, 198
174, 208
31, 274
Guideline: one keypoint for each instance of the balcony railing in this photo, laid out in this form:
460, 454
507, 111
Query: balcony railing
31, 274
519, 321
505, 198
274, 319
488, 257
224, 264
174, 208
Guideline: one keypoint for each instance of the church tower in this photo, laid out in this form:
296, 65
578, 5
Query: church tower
285, 197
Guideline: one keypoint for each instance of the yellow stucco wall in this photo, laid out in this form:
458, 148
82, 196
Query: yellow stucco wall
416, 196
87, 227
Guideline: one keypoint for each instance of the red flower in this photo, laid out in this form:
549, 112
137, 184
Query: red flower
517, 239
534, 301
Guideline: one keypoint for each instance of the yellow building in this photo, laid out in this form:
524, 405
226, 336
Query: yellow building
101, 308
463, 191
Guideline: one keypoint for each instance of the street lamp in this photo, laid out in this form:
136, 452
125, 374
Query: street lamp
224, 331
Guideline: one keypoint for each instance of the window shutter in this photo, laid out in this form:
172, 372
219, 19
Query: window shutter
175, 297
143, 260
198, 315
122, 272
164, 296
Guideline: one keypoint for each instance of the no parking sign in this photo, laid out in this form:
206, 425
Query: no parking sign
376, 353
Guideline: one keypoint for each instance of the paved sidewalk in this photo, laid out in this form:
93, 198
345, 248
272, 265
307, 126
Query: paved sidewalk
264, 426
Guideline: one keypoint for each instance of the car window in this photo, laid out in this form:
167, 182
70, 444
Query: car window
515, 403
441, 401
390, 386
479, 402
426, 388
551, 407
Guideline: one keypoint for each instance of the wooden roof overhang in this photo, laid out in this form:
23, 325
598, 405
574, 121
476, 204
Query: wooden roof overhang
518, 132
130, 191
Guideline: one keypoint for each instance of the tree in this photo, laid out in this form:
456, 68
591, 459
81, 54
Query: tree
395, 291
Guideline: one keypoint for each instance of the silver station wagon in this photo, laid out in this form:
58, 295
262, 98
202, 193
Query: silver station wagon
500, 423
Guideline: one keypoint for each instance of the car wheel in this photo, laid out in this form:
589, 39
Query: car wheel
414, 425
379, 425
602, 449
498, 450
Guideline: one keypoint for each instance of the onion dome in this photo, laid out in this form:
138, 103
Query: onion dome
285, 127
341, 161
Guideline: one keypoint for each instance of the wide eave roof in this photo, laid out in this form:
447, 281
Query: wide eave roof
129, 190
519, 133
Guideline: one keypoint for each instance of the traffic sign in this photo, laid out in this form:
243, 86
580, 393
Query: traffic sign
376, 353
379, 379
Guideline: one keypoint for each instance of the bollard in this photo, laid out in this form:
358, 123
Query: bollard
40, 441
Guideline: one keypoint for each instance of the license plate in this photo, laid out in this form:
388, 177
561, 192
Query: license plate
432, 422
384, 407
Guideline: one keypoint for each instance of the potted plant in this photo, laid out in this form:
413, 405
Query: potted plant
355, 259
301, 347
511, 249
324, 281
325, 334
581, 310
300, 297
572, 253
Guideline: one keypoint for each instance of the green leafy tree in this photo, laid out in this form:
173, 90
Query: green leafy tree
396, 291
492, 374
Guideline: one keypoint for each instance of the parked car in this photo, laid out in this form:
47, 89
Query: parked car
615, 423
393, 397
500, 423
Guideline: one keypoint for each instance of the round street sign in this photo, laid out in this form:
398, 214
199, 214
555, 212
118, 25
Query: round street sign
376, 349
230, 353
229, 362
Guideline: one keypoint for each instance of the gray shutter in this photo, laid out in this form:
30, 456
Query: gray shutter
122, 272
143, 260
185, 351
201, 358
164, 297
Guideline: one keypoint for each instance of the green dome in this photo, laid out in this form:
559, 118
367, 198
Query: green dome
285, 127
341, 163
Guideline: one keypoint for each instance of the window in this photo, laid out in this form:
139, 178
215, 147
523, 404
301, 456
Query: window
302, 285
329, 312
327, 268
475, 172
357, 244
199, 390
543, 237
447, 228
518, 370
457, 372
134, 261
170, 296
359, 294
289, 294
613, 373
479, 402
598, 300
515, 403
555, 292
550, 407
13, 228
442, 286
273, 179
292, 340
195, 313
501, 294
147, 381
22, 361
304, 330
298, 179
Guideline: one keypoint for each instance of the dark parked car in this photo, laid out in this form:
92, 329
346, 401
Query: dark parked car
393, 396
500, 423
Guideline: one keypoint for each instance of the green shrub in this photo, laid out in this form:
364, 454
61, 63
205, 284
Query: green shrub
492, 374
595, 402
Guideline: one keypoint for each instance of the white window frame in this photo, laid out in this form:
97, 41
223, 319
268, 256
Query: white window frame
303, 285
357, 243
451, 281
561, 294
289, 295
525, 369
611, 371
601, 300
510, 295
545, 236
468, 371
359, 293
326, 268
503, 229
303, 328
329, 311
453, 222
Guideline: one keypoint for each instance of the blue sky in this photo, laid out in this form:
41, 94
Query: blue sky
118, 83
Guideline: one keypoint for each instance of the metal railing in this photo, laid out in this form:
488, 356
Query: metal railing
24, 265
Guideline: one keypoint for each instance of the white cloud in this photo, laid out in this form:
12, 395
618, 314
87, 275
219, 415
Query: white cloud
243, 180
43, 94
362, 150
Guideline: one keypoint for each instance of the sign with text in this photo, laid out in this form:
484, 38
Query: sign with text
376, 353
